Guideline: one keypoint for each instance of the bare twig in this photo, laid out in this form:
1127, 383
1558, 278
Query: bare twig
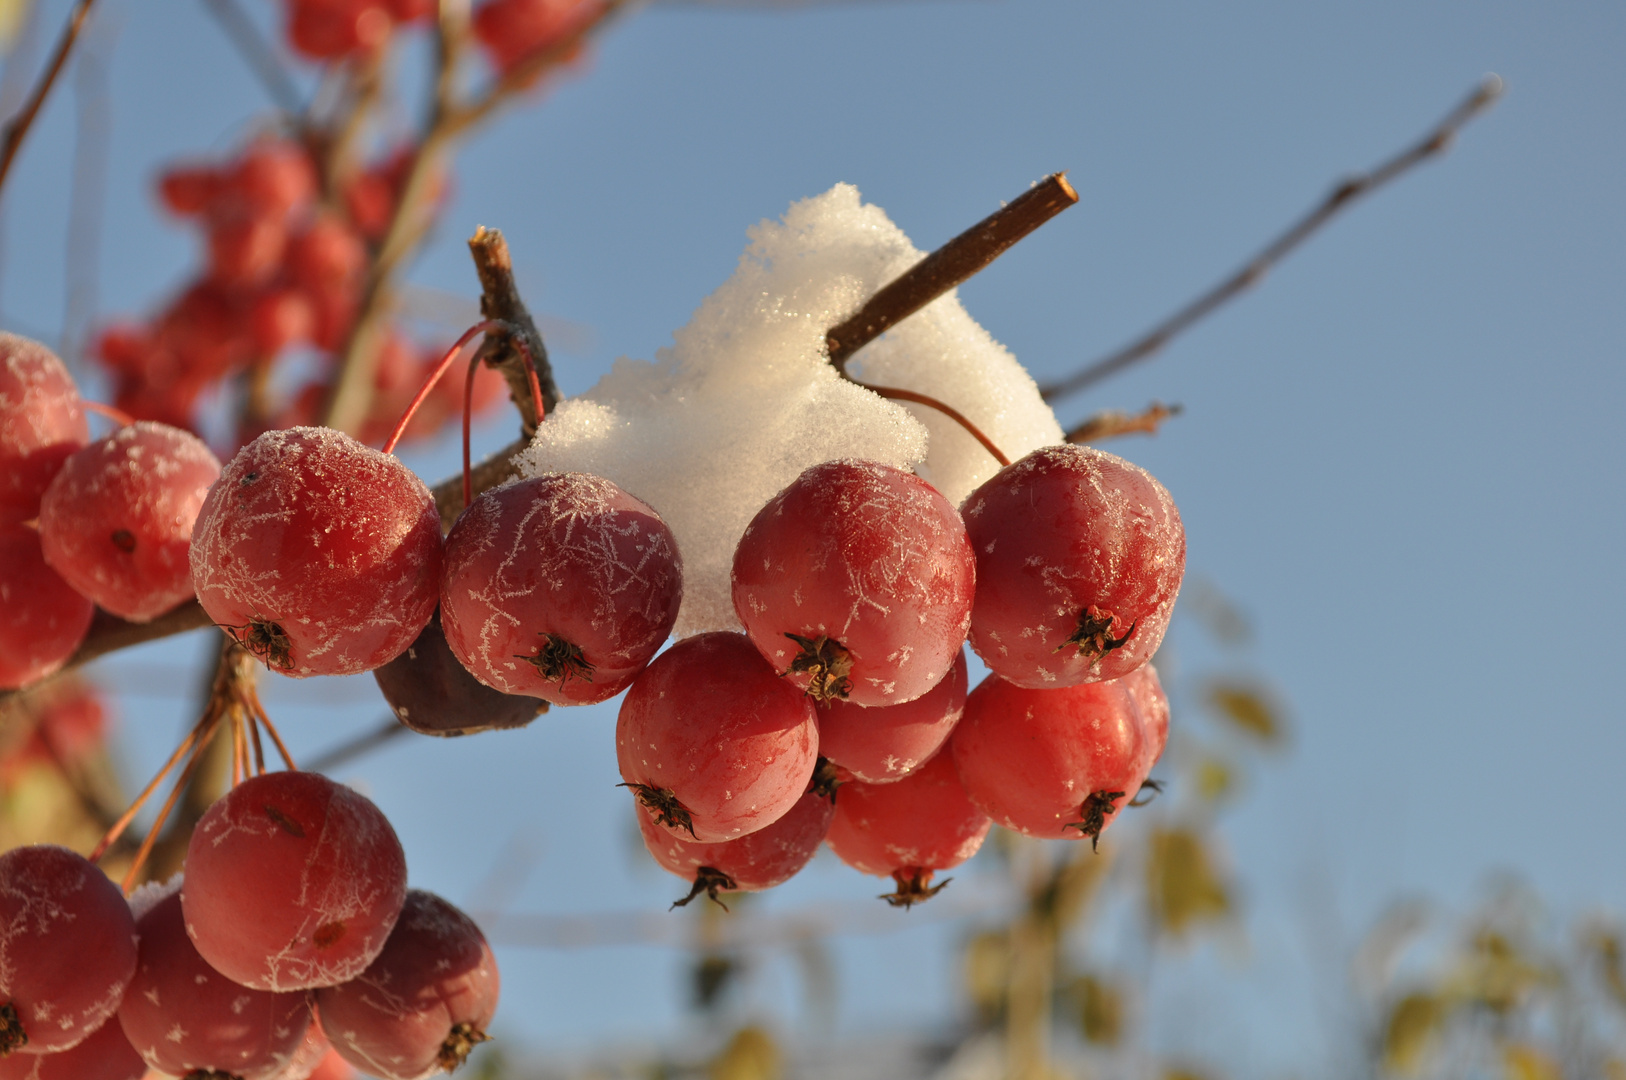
12, 135
1110, 423
1435, 142
350, 749
500, 299
257, 53
448, 121
950, 265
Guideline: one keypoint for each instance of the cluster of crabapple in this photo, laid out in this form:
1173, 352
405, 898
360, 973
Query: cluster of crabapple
84, 523
509, 30
858, 586
290, 944
283, 271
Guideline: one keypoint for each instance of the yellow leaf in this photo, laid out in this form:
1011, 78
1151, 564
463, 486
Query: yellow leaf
1525, 1062
13, 13
1100, 1010
1183, 1072
1249, 708
1215, 779
750, 1055
1182, 885
988, 971
1409, 1034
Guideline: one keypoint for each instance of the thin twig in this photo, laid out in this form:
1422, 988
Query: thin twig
950, 265
448, 121
1435, 142
257, 53
389, 731
12, 135
500, 299
1110, 423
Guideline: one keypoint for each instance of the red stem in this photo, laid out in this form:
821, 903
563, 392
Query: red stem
468, 404
896, 394
434, 377
118, 416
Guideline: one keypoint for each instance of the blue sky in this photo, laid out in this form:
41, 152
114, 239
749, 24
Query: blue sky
1402, 454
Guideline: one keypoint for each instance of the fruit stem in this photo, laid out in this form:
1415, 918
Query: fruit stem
896, 394
537, 401
118, 827
206, 728
118, 416
434, 377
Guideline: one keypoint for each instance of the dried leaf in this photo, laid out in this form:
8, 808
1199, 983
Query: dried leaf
988, 971
1215, 779
1605, 946
1497, 975
1525, 1062
1099, 1008
751, 1054
1249, 708
1183, 886
1409, 1034
1184, 1072
13, 14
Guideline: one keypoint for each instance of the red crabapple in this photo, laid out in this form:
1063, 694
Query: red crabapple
424, 1003
116, 522
889, 742
182, 1016
1051, 763
67, 949
1079, 559
856, 583
319, 555
908, 829
42, 618
712, 742
104, 1055
756, 861
293, 881
561, 586
41, 422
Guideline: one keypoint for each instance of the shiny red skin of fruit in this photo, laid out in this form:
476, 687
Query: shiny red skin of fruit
870, 556
313, 1051
334, 543
923, 822
1030, 758
1146, 691
710, 722
756, 861
566, 554
116, 522
181, 1014
42, 421
1064, 530
292, 881
42, 618
436, 972
887, 743
67, 945
105, 1055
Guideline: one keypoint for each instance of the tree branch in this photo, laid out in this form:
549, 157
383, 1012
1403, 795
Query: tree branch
257, 53
1110, 423
18, 126
950, 265
1435, 142
500, 299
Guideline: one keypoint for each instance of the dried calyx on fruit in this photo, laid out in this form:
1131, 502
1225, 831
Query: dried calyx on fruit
561, 586
855, 583
1079, 560
319, 555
